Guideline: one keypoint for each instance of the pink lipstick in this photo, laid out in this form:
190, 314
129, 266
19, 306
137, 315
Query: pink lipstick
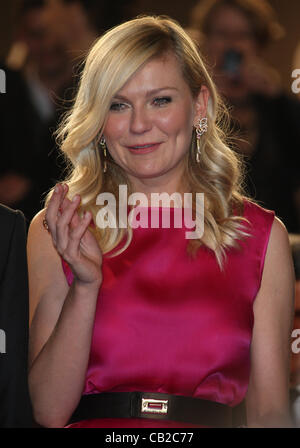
143, 149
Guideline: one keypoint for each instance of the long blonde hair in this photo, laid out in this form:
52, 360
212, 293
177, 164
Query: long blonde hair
112, 60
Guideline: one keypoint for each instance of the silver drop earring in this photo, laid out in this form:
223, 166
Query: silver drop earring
103, 146
201, 128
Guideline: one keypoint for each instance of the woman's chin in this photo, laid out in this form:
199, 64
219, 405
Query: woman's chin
148, 175
147, 172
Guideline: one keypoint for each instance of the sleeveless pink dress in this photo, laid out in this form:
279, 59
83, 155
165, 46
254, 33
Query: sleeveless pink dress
168, 323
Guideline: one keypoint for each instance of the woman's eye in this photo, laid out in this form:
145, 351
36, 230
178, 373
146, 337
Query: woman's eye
117, 106
162, 101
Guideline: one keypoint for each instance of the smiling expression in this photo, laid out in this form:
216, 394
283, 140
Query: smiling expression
150, 122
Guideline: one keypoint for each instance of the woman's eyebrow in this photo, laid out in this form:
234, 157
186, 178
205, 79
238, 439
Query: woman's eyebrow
148, 93
154, 91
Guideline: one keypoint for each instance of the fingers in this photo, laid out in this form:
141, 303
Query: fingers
71, 237
75, 219
72, 250
53, 208
59, 214
63, 222
66, 227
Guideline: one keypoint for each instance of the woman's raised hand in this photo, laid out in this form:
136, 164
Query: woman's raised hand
71, 237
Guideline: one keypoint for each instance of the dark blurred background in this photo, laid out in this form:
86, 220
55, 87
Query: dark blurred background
279, 55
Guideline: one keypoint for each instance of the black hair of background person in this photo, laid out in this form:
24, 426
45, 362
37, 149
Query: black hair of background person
105, 14
102, 15
27, 144
15, 407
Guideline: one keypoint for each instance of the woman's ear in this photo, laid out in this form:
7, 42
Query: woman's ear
201, 104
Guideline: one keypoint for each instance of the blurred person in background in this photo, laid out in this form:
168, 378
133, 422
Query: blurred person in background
295, 357
234, 34
296, 71
41, 68
15, 407
296, 91
36, 77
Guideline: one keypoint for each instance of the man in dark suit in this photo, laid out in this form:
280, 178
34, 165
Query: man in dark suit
15, 408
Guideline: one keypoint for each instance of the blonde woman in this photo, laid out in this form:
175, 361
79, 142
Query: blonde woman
142, 327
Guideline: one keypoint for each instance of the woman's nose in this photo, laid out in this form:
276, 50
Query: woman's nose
140, 121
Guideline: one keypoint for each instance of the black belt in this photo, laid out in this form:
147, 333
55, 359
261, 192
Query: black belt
158, 406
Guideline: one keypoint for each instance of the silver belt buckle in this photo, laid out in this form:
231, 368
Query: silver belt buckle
154, 406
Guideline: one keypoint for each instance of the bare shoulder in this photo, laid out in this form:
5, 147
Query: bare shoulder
279, 234
46, 276
39, 245
278, 265
36, 226
274, 302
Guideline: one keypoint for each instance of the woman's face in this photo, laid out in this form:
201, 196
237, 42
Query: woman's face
149, 126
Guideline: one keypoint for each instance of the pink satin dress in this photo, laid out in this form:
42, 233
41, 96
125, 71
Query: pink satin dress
168, 323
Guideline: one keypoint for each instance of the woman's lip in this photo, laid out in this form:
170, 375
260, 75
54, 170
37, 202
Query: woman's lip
143, 149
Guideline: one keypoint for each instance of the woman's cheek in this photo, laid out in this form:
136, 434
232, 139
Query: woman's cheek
169, 122
116, 126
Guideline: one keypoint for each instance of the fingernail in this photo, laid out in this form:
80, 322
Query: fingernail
56, 189
75, 198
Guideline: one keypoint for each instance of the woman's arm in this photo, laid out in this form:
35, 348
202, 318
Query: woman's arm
268, 393
61, 329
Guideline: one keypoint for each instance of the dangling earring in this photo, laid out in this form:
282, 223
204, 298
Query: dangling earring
103, 146
201, 128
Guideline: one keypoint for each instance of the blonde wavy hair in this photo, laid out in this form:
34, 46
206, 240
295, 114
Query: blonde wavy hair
112, 60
